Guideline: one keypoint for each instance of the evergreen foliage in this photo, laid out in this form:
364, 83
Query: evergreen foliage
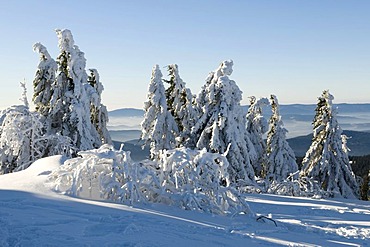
221, 126
158, 127
327, 158
44, 80
180, 104
281, 159
257, 126
98, 111
70, 105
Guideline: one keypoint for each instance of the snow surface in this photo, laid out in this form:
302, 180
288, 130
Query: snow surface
31, 214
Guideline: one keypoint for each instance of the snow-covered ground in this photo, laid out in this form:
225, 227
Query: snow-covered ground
31, 214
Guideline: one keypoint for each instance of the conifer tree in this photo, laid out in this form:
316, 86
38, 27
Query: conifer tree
180, 104
257, 126
221, 126
158, 127
69, 112
281, 158
44, 79
98, 111
327, 159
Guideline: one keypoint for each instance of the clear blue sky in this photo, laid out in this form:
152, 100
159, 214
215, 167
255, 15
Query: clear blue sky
294, 49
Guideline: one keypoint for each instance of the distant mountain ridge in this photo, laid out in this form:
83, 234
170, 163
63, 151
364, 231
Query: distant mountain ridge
288, 109
354, 119
126, 112
358, 143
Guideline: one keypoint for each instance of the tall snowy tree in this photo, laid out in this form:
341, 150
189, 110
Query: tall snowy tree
98, 111
69, 106
180, 104
281, 158
257, 126
45, 77
221, 126
327, 159
159, 126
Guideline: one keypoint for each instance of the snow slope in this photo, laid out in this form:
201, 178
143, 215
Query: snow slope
33, 215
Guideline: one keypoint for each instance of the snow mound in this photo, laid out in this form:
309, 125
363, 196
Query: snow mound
34, 177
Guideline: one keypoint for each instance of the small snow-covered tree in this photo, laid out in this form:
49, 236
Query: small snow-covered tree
257, 126
105, 173
158, 127
327, 160
69, 106
281, 158
98, 111
23, 137
21, 141
180, 104
221, 126
198, 180
44, 79
188, 179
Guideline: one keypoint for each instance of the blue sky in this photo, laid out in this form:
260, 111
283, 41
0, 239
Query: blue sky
294, 49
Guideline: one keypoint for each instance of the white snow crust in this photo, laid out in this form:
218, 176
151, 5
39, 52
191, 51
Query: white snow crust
31, 214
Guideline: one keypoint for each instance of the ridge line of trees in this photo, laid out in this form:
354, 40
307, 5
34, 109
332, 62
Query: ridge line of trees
70, 118
216, 122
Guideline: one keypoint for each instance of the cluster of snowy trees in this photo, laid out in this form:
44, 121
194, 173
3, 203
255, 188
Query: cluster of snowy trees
206, 151
69, 115
188, 179
214, 121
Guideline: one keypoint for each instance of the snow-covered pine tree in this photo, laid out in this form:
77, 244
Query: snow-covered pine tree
98, 111
327, 160
45, 77
221, 127
158, 127
69, 106
180, 104
257, 126
281, 158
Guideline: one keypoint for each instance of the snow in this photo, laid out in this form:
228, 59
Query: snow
31, 214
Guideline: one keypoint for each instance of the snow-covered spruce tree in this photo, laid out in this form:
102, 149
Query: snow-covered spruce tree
44, 78
327, 159
281, 159
69, 113
257, 126
221, 127
98, 111
158, 127
180, 104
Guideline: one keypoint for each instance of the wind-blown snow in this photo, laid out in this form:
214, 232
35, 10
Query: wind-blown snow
31, 214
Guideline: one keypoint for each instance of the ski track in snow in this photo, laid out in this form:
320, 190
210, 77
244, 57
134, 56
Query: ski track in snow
32, 215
